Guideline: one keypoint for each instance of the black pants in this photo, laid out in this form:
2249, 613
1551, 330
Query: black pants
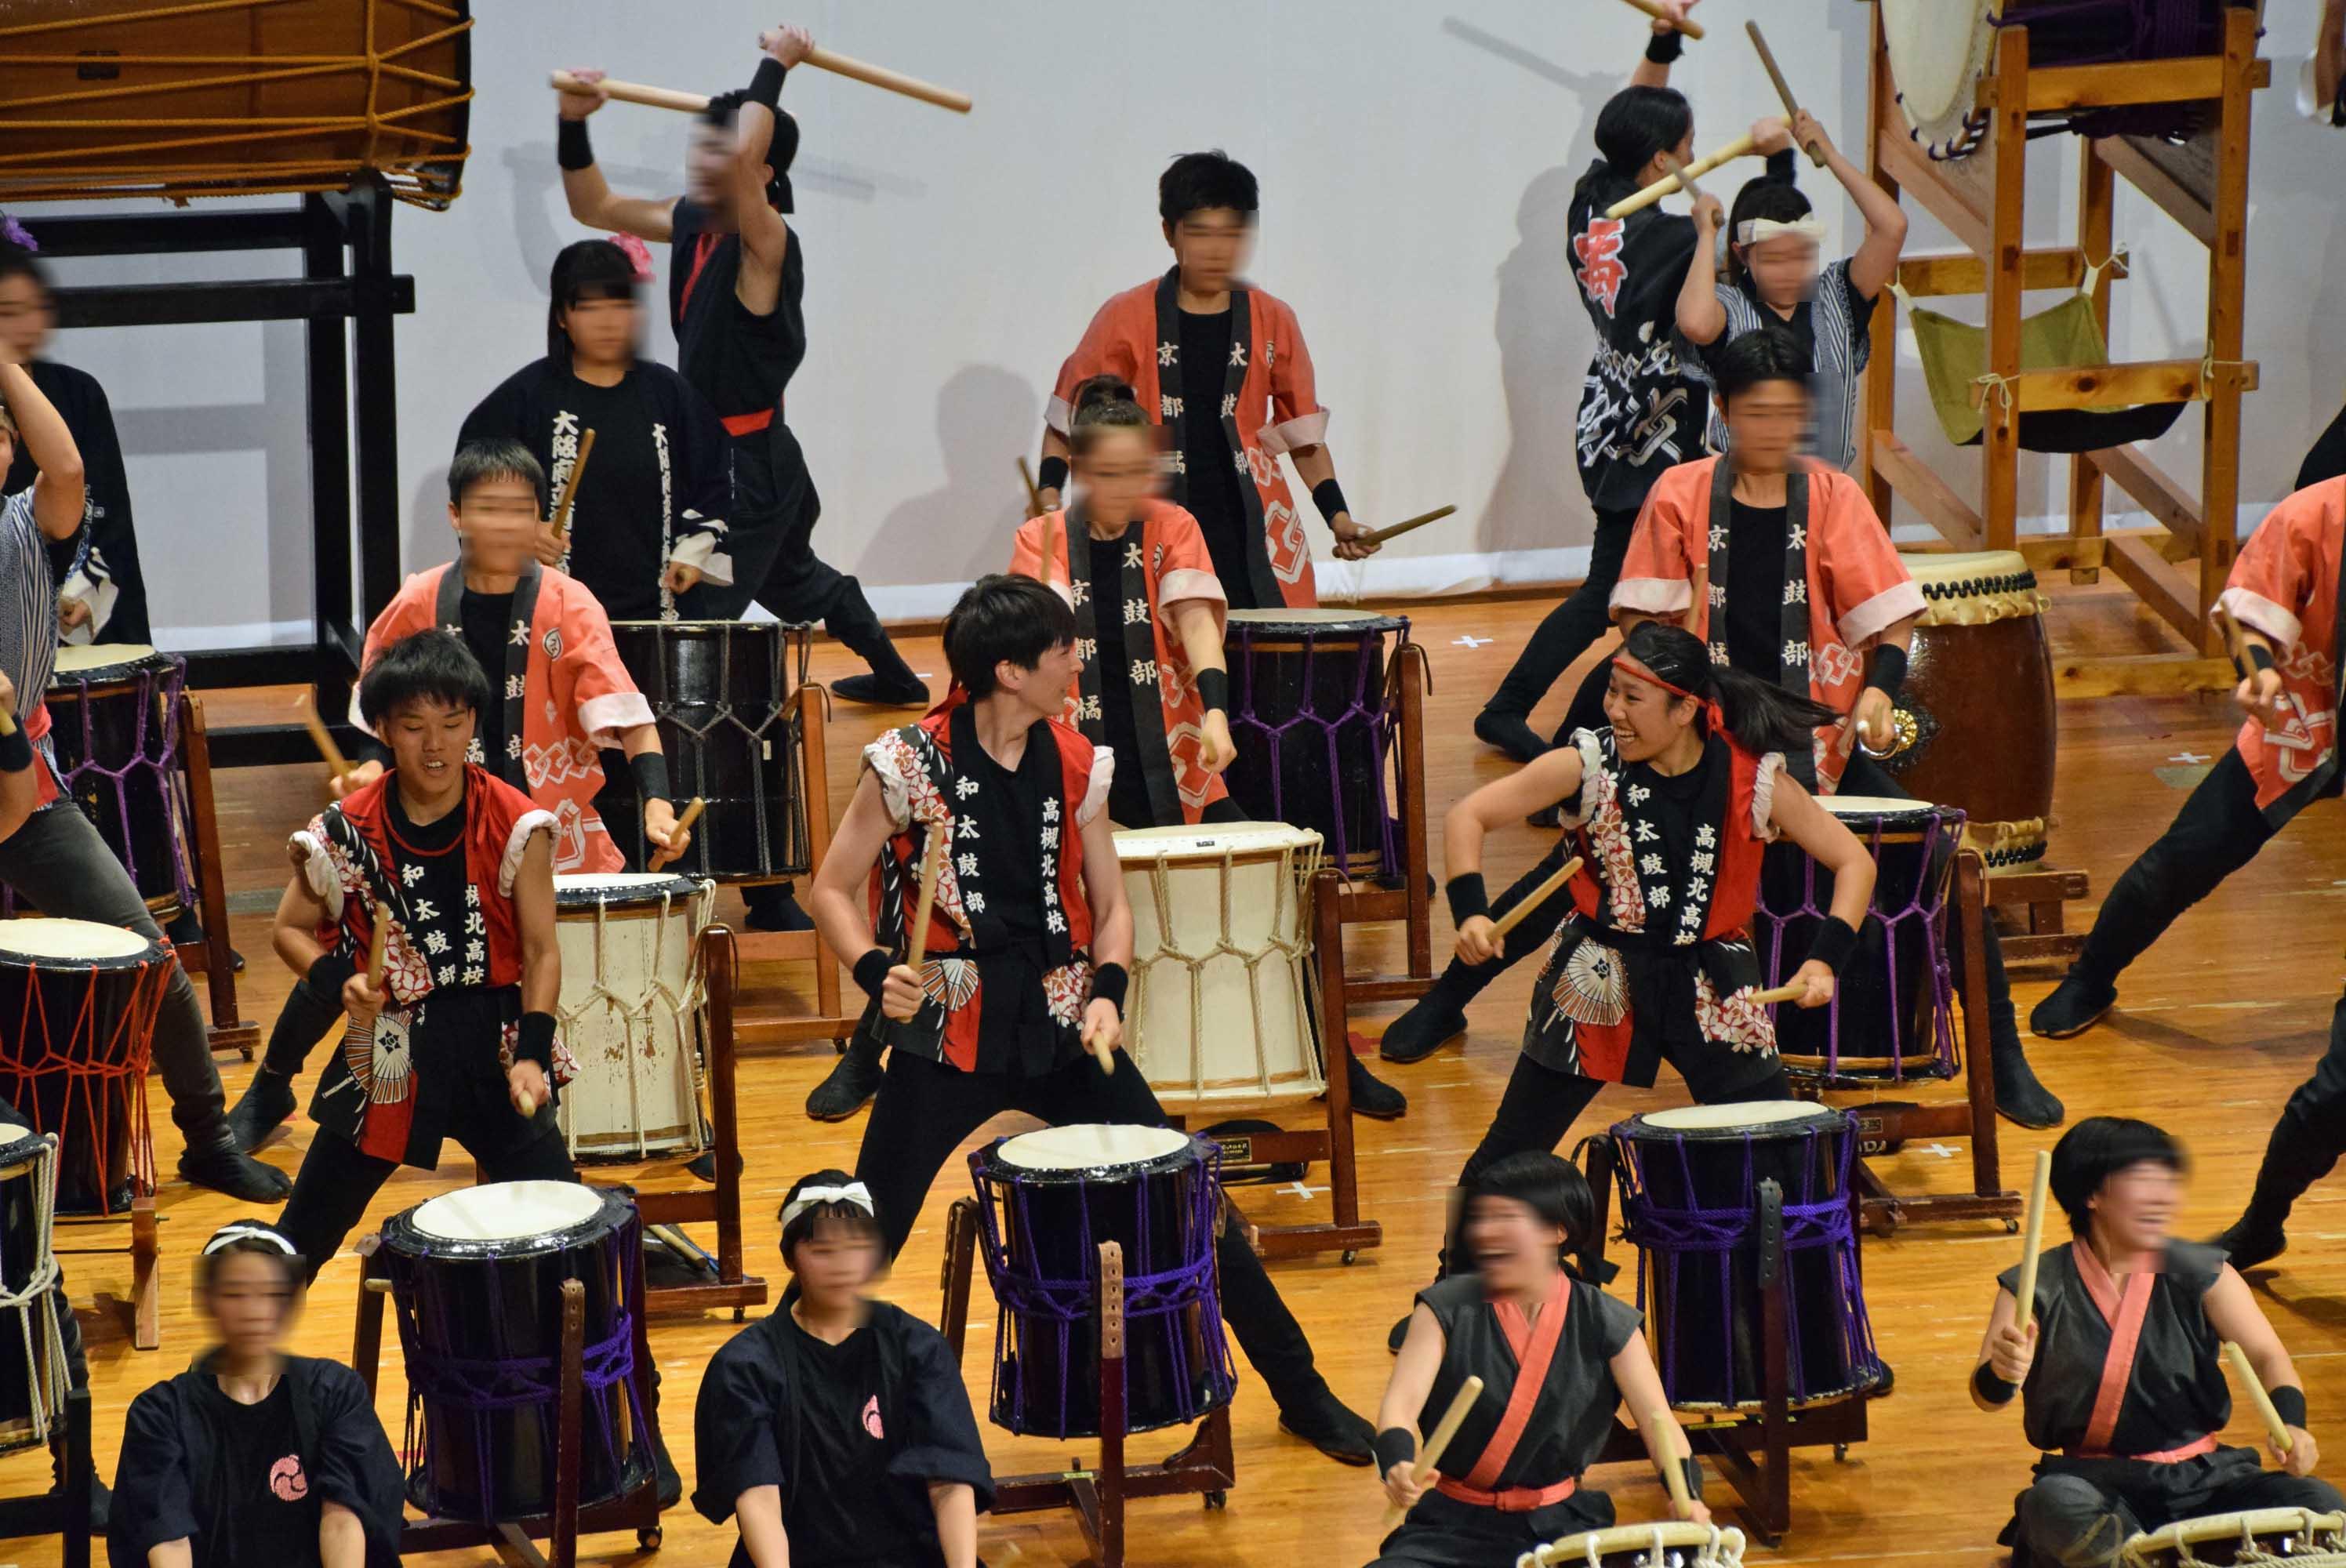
1570, 628
925, 1109
2218, 832
2309, 1136
337, 1182
2079, 1514
309, 1011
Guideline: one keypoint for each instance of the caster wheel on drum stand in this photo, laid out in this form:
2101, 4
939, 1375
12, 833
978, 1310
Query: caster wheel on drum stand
1217, 1499
648, 1540
1840, 1454
1349, 1256
838, 1045
2011, 1228
740, 1313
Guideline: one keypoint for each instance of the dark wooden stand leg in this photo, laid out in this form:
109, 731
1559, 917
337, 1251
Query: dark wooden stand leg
961, 1247
1979, 1050
1601, 1167
567, 1434
75, 1526
1108, 1526
366, 1334
1775, 1501
214, 956
1414, 675
146, 1289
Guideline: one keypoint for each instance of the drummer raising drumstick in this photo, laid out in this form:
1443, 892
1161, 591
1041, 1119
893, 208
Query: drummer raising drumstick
2119, 1375
1668, 808
1025, 972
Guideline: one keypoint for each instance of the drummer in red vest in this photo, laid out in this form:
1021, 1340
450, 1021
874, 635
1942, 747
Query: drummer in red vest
1028, 941
559, 698
2118, 1372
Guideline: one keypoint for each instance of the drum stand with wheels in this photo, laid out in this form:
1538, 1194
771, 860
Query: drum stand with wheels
722, 1204
514, 1541
64, 1512
827, 1022
1097, 1493
212, 958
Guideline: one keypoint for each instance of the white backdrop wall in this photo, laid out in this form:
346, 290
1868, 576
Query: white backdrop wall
1416, 163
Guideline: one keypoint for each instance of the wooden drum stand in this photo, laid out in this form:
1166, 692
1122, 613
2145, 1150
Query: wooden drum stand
810, 709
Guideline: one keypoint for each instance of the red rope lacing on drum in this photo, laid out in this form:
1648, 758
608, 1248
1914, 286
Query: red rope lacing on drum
104, 1074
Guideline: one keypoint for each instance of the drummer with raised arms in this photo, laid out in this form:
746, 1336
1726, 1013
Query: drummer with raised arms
1022, 992
1554, 1356
2120, 1371
558, 696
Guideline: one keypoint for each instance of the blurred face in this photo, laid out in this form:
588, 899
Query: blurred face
497, 520
427, 741
1645, 719
602, 332
2135, 1211
709, 166
251, 1302
1513, 1248
1211, 244
25, 318
1119, 473
1784, 268
835, 1265
7, 448
1044, 689
1765, 422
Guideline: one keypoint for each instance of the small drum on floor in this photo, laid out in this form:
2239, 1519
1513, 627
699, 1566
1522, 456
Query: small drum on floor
77, 1008
1047, 1200
1974, 718
2286, 1537
114, 722
1314, 723
1692, 1205
1891, 1018
32, 1378
477, 1280
1671, 1544
631, 1011
1221, 949
724, 694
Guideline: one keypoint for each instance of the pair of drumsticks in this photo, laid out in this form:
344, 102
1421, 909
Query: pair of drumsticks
1683, 178
1664, 1428
821, 59
1374, 536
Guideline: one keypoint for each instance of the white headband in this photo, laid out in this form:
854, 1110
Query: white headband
854, 1192
1752, 230
229, 1235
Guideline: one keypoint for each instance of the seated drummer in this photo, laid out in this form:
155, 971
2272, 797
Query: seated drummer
1669, 808
459, 1042
1027, 952
564, 695
1509, 1482
253, 1455
836, 1433
2121, 1376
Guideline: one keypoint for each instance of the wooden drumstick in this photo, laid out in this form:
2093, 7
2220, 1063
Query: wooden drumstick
1742, 147
376, 944
1783, 87
1780, 993
839, 65
1539, 895
1687, 25
1443, 1430
570, 487
916, 941
2274, 1426
1379, 536
1665, 1429
2031, 1238
1679, 172
684, 822
325, 741
7, 721
1034, 493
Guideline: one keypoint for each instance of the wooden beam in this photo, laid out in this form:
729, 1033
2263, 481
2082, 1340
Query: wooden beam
2094, 182
1881, 411
2064, 553
1923, 276
2173, 597
2163, 190
2140, 675
1896, 155
2055, 87
2219, 441
2107, 386
2007, 149
1924, 491
2138, 477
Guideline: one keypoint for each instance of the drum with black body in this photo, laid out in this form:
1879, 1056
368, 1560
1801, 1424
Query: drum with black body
32, 1376
113, 723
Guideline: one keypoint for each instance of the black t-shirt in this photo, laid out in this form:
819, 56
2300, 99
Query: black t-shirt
1208, 469
738, 360
839, 1508
487, 620
615, 540
1129, 791
1755, 590
445, 921
275, 1511
1010, 811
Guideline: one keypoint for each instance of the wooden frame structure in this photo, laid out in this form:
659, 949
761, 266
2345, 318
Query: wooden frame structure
812, 704
63, 1512
1407, 680
212, 958
1981, 199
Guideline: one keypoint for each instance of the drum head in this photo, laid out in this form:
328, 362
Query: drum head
507, 1216
18, 1145
99, 663
1980, 566
1701, 1545
1736, 1118
1090, 1146
46, 942
622, 889
1312, 623
2290, 1534
1860, 813
1937, 50
1142, 845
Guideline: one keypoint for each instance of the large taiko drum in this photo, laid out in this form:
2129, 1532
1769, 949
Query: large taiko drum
631, 1012
1975, 726
1669, 1544
2271, 1537
1221, 948
133, 97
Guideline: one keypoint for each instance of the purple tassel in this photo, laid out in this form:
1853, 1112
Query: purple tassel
15, 233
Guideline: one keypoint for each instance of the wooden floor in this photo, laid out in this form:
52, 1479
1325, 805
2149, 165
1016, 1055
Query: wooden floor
2217, 1023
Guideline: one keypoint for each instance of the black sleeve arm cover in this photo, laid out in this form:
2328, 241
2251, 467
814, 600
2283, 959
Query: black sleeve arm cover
1054, 476
766, 84
1214, 689
1993, 1389
16, 750
1108, 983
571, 148
1691, 1467
1468, 898
1392, 1446
1665, 47
1834, 941
2288, 1403
1329, 497
536, 1040
650, 768
871, 971
2261, 656
1888, 671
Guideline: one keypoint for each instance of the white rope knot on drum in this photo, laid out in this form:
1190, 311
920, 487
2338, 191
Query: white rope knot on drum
2306, 1540
1296, 871
1712, 1547
45, 1361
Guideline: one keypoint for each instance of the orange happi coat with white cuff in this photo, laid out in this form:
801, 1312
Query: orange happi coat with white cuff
2285, 585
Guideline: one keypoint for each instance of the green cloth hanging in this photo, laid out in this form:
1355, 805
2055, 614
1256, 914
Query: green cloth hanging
1954, 358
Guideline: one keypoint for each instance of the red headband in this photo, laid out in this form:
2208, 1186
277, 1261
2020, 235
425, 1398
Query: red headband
1651, 678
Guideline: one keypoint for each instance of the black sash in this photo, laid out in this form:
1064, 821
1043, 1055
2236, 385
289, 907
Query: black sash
1135, 621
448, 607
1792, 656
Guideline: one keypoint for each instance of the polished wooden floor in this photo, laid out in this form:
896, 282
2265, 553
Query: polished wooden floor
2217, 1023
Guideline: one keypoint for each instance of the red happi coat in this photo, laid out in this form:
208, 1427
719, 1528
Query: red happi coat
1273, 409
1856, 586
2285, 584
566, 696
1172, 569
918, 783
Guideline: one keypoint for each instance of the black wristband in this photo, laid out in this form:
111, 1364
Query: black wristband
1887, 672
1834, 941
1392, 1446
1054, 474
871, 971
2288, 1403
330, 974
571, 148
1109, 982
2261, 657
16, 750
650, 768
1214, 689
1993, 1389
1329, 497
1664, 48
536, 1042
766, 83
1468, 898
1783, 167
1691, 1467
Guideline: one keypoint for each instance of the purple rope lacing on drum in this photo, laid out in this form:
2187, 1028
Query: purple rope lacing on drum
1376, 711
1812, 1220
1923, 918
1032, 1304
159, 721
